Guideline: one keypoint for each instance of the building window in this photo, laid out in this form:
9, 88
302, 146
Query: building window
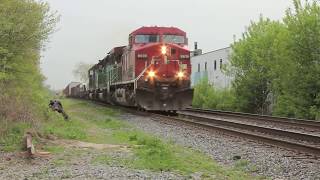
198, 67
220, 63
215, 65
205, 66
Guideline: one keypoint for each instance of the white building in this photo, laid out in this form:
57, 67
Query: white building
210, 65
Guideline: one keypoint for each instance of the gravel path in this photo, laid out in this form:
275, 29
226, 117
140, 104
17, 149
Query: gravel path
263, 159
74, 166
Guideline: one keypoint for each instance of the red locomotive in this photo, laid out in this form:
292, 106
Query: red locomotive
152, 72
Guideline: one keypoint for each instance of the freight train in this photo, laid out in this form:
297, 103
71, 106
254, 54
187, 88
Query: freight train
152, 72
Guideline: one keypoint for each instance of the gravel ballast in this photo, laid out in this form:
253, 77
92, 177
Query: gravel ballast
263, 159
76, 167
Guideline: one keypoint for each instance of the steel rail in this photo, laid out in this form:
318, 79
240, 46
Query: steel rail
283, 120
290, 145
285, 133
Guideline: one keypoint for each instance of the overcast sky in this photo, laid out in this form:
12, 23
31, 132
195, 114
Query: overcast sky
90, 28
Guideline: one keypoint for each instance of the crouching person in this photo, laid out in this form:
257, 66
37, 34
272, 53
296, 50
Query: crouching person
56, 105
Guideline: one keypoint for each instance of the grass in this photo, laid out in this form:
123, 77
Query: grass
66, 130
156, 155
59, 162
13, 139
97, 124
54, 149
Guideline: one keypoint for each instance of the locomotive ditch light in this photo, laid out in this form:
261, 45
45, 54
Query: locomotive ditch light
180, 74
164, 50
151, 74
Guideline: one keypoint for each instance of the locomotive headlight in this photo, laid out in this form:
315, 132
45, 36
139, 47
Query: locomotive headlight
180, 74
151, 74
164, 50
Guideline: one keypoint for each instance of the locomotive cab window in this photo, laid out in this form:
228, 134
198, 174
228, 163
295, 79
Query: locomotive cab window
147, 38
173, 39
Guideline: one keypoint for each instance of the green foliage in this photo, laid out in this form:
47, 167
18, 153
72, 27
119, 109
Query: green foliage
299, 92
252, 60
24, 28
13, 138
277, 64
208, 97
66, 129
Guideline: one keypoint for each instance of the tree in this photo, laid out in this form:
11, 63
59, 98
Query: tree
280, 60
81, 71
299, 95
24, 29
252, 60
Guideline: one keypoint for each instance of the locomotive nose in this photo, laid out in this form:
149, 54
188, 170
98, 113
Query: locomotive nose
170, 63
166, 61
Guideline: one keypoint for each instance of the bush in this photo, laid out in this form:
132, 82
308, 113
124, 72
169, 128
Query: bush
208, 97
24, 27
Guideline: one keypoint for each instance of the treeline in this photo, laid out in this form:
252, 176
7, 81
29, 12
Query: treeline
24, 28
276, 65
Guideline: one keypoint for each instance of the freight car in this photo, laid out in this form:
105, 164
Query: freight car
152, 72
75, 90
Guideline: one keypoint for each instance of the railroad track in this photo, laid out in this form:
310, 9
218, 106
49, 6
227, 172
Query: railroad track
299, 137
311, 125
287, 133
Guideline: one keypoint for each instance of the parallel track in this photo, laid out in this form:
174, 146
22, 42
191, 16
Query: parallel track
279, 120
294, 141
236, 124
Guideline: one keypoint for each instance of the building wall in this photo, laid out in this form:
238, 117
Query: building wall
209, 65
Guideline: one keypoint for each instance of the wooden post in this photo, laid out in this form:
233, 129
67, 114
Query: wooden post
30, 147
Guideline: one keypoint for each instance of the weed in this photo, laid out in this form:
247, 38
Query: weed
110, 124
241, 164
13, 138
66, 129
59, 162
66, 174
245, 165
54, 149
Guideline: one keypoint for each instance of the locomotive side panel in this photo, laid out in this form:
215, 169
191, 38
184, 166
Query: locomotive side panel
128, 65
